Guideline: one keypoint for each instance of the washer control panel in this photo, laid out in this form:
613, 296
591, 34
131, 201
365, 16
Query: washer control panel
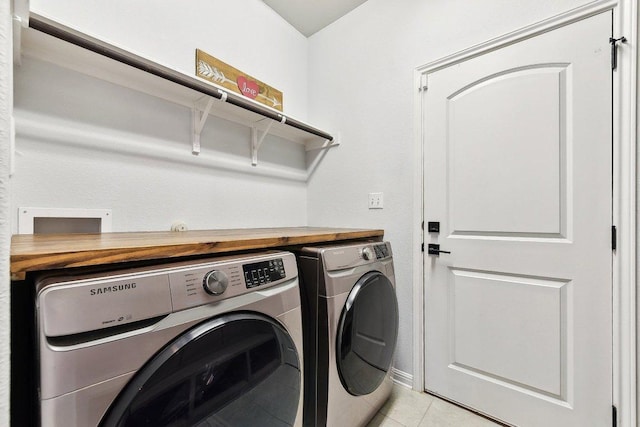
263, 272
104, 300
227, 278
215, 282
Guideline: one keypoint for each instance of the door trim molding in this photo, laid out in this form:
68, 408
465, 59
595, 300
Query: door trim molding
524, 33
625, 130
625, 215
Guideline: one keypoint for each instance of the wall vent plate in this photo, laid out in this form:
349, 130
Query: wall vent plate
63, 220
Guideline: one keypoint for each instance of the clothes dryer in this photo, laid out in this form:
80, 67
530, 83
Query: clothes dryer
350, 317
215, 342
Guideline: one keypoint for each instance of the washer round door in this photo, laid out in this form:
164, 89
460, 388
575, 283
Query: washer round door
367, 334
239, 369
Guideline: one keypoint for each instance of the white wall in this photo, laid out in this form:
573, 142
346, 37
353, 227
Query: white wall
6, 105
85, 143
361, 83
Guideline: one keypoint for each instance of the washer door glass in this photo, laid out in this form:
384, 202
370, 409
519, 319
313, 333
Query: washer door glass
240, 369
367, 334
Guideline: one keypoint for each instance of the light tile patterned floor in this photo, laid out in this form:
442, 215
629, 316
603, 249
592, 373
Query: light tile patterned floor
407, 408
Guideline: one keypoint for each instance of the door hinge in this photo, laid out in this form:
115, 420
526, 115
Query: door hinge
614, 50
614, 237
423, 247
614, 416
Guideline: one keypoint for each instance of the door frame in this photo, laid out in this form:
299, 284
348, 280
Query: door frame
625, 129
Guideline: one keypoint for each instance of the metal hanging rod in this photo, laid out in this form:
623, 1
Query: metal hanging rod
87, 42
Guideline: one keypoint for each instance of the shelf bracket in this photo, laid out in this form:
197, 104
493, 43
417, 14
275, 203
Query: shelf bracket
256, 141
199, 120
321, 147
324, 144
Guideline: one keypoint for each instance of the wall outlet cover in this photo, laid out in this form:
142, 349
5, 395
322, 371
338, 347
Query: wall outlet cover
376, 200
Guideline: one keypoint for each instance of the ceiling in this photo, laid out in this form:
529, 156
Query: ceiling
309, 16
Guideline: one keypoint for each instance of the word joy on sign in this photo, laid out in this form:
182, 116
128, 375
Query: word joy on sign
211, 68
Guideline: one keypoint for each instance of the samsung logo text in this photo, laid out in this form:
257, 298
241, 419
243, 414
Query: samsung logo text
112, 289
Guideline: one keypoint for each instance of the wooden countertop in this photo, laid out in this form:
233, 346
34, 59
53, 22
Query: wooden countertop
54, 251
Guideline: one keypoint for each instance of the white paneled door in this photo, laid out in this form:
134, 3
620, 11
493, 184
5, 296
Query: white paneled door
518, 174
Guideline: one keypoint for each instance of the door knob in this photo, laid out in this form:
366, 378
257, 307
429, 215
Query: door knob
434, 249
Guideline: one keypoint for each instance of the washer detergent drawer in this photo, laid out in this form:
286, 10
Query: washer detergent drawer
90, 305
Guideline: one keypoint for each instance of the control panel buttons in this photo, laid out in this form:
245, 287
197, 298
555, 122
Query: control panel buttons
367, 254
215, 282
381, 251
263, 272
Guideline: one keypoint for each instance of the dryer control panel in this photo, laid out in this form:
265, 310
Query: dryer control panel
382, 251
341, 257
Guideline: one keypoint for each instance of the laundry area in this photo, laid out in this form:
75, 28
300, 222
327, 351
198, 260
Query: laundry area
361, 213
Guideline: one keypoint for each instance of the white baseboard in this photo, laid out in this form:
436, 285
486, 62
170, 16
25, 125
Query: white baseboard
402, 378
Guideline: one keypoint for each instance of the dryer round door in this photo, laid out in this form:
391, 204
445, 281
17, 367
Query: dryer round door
367, 334
240, 369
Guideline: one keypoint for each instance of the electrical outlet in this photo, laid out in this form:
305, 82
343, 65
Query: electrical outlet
376, 200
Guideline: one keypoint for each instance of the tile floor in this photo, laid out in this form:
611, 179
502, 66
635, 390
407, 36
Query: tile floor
407, 408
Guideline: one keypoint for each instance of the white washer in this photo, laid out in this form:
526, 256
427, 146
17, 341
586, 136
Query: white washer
201, 343
350, 316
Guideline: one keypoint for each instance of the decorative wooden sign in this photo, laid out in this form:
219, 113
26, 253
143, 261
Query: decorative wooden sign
223, 74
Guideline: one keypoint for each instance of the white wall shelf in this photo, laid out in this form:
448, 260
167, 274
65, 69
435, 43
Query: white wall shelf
52, 42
